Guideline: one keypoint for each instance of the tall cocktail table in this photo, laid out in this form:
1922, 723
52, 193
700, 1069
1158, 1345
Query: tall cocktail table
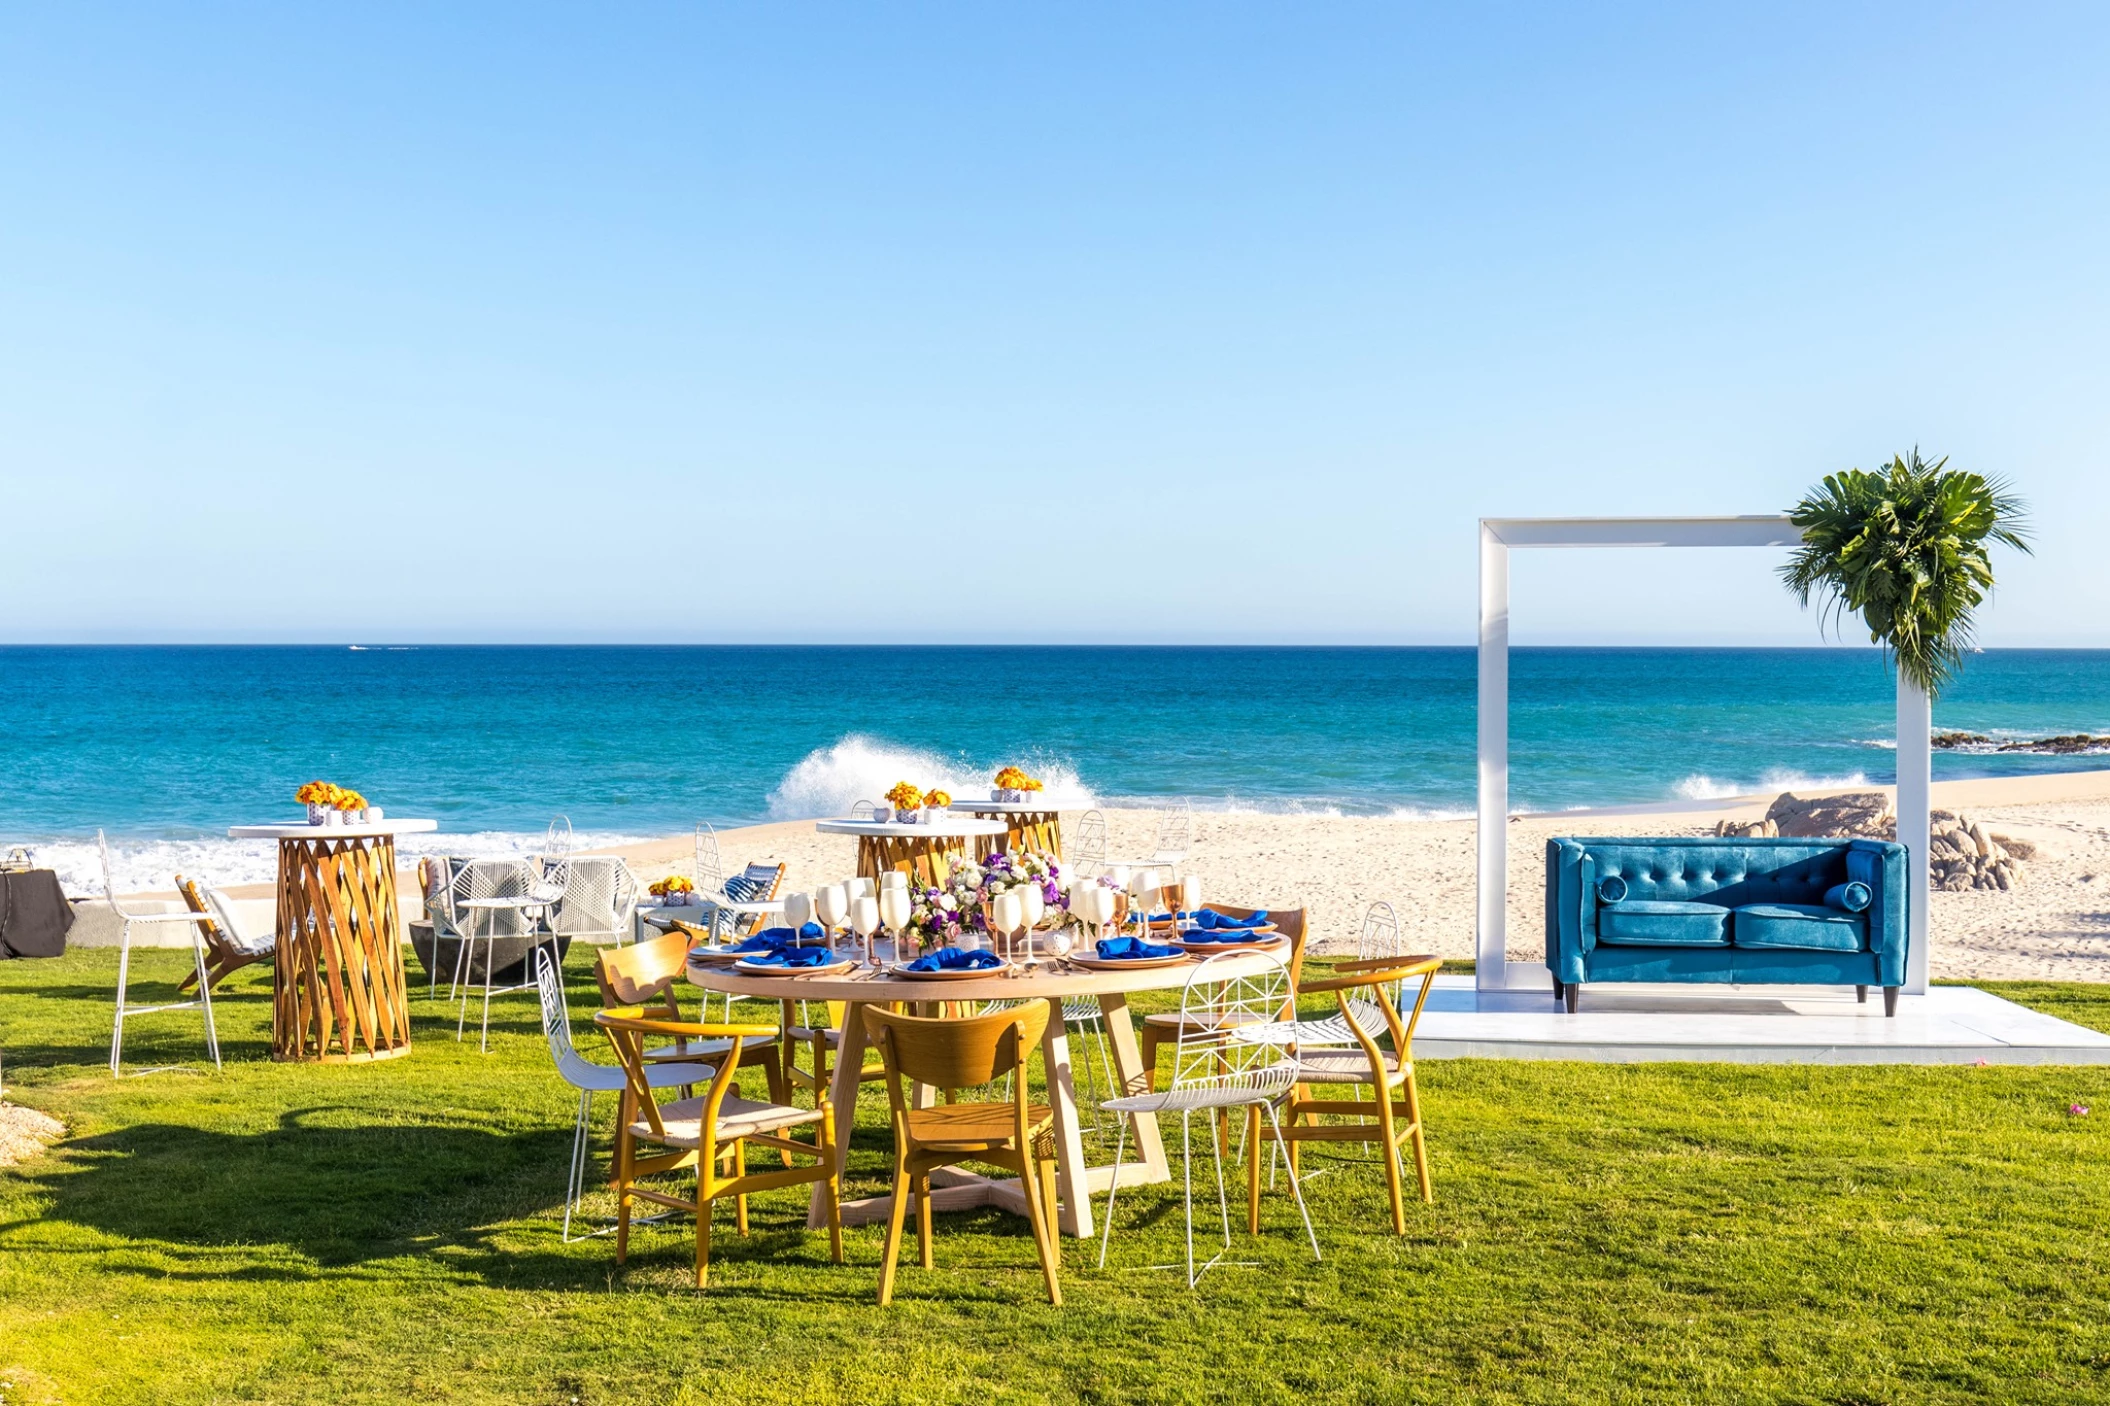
337, 986
887, 844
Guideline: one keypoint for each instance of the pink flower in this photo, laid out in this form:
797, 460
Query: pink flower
2078, 1110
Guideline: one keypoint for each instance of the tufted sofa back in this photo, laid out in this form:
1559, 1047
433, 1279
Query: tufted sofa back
1728, 872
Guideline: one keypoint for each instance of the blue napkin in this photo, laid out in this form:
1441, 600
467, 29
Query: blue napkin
795, 957
1221, 935
1209, 920
775, 939
954, 959
1115, 949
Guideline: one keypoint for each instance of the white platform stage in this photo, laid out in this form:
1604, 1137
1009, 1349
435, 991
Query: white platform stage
1747, 1025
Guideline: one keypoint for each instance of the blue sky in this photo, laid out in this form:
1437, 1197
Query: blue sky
1123, 323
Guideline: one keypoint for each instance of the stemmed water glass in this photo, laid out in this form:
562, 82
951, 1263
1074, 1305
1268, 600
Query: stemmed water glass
1004, 914
798, 911
1032, 904
864, 920
1190, 899
1143, 888
894, 910
832, 903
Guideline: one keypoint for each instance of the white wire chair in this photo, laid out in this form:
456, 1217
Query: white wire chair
1175, 836
1232, 1053
864, 810
542, 882
1086, 850
1380, 938
710, 864
599, 901
590, 1078
196, 923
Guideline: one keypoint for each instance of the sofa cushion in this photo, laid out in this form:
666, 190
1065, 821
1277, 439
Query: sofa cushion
1807, 927
1646, 922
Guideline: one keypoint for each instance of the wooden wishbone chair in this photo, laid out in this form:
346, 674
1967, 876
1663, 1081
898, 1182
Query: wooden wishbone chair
1015, 1134
1390, 1073
644, 974
710, 1132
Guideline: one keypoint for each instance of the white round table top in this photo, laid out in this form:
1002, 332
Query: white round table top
301, 830
1007, 807
949, 827
1051, 982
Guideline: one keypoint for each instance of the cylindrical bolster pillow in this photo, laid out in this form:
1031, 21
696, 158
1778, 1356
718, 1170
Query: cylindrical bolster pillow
1853, 897
1610, 889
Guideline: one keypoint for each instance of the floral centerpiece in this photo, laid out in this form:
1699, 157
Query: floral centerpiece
1003, 872
1013, 785
325, 799
674, 890
939, 917
936, 799
905, 797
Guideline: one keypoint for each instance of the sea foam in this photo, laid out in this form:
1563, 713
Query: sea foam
829, 780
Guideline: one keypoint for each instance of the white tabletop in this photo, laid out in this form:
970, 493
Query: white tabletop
1007, 807
301, 830
949, 827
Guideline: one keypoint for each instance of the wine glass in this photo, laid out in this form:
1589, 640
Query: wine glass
1099, 908
1143, 887
893, 879
864, 919
894, 910
1119, 875
832, 903
861, 887
798, 911
1005, 912
1191, 897
1033, 904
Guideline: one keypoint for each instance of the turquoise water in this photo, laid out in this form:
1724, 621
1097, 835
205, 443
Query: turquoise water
167, 746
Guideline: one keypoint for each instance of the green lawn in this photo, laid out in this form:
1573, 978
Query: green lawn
1602, 1233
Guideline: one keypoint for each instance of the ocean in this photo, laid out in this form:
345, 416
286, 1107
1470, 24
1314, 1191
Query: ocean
164, 747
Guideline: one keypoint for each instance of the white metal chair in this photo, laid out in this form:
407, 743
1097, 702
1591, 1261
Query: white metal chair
865, 810
590, 1078
195, 922
1175, 837
710, 865
1232, 1053
1086, 850
1380, 938
599, 903
544, 878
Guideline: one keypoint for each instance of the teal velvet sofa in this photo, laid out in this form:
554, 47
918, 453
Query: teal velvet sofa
1748, 911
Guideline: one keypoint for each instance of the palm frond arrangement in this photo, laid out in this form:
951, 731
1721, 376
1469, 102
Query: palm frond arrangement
1905, 548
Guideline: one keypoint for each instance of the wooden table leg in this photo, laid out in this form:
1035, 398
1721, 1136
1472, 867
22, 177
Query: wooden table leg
1135, 1079
842, 1092
1072, 1181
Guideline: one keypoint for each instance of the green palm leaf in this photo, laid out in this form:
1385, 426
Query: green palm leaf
1905, 549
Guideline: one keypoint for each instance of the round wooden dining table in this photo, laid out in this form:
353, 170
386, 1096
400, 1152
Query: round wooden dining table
1033, 825
1053, 983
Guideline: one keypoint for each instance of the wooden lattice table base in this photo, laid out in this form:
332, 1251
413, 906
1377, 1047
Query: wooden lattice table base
337, 987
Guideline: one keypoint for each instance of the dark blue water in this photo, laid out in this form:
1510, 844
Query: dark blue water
176, 743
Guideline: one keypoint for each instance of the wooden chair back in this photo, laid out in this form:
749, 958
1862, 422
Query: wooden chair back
643, 973
959, 1053
627, 1031
1373, 980
219, 943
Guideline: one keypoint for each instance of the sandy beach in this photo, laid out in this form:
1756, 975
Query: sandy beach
2054, 925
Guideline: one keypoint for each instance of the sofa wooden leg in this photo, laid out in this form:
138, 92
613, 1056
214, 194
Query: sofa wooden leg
1861, 994
1890, 1000
1558, 989
1573, 990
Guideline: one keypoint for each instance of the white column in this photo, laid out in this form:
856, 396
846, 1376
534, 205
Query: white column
1491, 945
1915, 798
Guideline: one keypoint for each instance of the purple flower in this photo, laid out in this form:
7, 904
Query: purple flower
2078, 1110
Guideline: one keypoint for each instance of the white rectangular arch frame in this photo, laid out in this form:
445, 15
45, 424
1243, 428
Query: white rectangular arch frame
1497, 535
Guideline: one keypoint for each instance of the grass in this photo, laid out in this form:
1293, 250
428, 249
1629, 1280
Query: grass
1601, 1234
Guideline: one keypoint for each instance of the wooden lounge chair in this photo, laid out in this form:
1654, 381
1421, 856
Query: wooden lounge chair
227, 948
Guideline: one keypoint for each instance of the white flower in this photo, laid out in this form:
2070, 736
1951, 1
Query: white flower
949, 903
